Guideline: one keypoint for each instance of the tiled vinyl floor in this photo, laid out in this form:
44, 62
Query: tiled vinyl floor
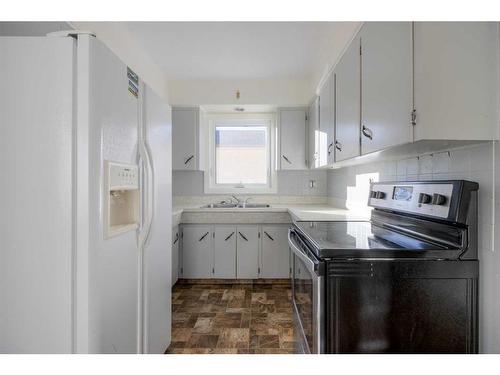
232, 319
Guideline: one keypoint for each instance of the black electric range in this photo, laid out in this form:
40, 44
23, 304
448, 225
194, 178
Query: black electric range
403, 282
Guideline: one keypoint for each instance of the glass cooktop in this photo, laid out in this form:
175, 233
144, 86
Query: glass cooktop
353, 238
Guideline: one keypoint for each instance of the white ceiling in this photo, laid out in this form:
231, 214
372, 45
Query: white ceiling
242, 50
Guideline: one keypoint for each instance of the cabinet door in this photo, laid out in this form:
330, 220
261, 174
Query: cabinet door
275, 258
386, 76
455, 87
185, 138
197, 252
293, 139
326, 122
313, 134
247, 252
225, 252
175, 254
347, 109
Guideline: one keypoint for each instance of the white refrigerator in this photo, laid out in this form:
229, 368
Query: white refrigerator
69, 108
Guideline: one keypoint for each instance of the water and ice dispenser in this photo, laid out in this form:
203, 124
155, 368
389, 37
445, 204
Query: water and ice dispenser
122, 198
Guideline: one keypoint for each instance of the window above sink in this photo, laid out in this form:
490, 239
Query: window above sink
241, 150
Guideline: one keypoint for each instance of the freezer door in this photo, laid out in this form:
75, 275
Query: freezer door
36, 184
113, 263
157, 279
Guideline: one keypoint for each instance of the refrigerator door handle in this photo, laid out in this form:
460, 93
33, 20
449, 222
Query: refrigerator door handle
151, 198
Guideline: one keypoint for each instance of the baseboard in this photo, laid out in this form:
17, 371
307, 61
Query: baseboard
234, 281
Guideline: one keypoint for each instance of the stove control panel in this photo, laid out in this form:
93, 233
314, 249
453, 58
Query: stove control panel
431, 199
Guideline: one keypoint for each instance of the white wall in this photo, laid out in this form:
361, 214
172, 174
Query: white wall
31, 28
279, 92
113, 34
116, 36
480, 163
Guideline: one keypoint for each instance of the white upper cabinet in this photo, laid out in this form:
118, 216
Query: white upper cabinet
326, 122
347, 108
456, 80
292, 126
386, 85
313, 134
185, 130
224, 252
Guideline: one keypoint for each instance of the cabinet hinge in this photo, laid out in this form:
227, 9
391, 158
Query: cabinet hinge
360, 50
414, 117
258, 270
306, 118
213, 270
182, 234
213, 234
258, 235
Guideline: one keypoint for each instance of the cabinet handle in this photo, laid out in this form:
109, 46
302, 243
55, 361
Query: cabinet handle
284, 157
414, 117
367, 133
338, 145
176, 238
202, 237
330, 148
268, 236
228, 237
188, 159
242, 236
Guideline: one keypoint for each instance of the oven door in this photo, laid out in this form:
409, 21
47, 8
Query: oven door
308, 299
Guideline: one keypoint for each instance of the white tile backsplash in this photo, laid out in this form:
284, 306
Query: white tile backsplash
290, 183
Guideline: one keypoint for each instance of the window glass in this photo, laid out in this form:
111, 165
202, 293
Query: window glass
241, 155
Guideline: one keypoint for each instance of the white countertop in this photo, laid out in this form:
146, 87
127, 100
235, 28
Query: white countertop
297, 212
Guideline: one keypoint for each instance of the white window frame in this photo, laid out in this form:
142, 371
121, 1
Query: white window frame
256, 119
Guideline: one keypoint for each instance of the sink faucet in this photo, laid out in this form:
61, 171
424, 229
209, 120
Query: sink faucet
241, 202
238, 201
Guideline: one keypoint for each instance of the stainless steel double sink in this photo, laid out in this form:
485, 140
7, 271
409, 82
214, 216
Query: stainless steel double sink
234, 205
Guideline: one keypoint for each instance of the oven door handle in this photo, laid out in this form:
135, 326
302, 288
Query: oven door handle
314, 267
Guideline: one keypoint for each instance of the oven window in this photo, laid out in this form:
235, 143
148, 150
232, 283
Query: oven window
303, 298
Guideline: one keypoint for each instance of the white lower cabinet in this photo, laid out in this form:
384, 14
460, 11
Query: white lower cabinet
247, 252
275, 255
175, 254
224, 252
197, 251
234, 251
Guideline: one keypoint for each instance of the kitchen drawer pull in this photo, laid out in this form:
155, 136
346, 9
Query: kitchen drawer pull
367, 133
176, 238
242, 236
188, 159
330, 148
202, 237
284, 157
228, 237
338, 145
269, 236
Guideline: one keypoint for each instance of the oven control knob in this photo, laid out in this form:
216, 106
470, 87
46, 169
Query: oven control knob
380, 195
373, 194
438, 199
424, 198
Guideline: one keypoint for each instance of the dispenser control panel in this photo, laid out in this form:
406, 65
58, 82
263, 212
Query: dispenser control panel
123, 176
121, 198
